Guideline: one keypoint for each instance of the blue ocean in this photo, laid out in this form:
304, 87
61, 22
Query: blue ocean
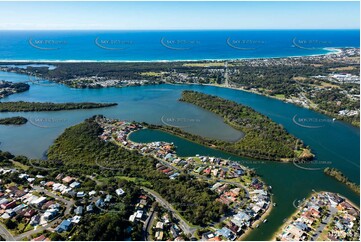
170, 45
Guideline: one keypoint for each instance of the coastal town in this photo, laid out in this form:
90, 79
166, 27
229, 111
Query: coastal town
100, 82
180, 120
42, 208
34, 205
325, 216
40, 204
246, 196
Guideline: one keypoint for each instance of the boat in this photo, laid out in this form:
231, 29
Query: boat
257, 225
264, 220
274, 204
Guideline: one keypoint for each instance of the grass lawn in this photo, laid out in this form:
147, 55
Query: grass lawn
150, 73
136, 180
280, 96
19, 165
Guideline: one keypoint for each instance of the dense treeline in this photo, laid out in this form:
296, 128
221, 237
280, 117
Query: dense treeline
21, 106
13, 121
339, 176
5, 157
264, 139
123, 71
79, 146
8, 88
19, 87
278, 79
113, 225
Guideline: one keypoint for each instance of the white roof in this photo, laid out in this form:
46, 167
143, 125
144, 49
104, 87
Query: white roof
5, 216
139, 214
76, 219
91, 193
119, 191
39, 200
132, 218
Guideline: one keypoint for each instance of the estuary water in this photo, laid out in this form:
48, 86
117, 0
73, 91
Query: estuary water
335, 143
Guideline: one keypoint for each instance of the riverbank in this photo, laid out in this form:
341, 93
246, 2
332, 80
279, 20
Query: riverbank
13, 121
309, 220
339, 176
290, 218
268, 141
274, 97
22, 106
206, 168
261, 219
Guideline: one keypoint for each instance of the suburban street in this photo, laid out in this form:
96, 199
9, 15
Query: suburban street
5, 233
148, 224
190, 230
68, 206
322, 226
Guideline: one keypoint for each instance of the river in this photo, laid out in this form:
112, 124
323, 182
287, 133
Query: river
335, 143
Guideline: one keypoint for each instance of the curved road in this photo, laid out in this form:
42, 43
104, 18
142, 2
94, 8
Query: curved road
5, 233
189, 230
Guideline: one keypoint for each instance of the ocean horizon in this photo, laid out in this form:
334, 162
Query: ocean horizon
170, 45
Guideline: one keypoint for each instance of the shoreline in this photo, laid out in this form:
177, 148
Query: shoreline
260, 220
282, 160
269, 96
290, 218
330, 51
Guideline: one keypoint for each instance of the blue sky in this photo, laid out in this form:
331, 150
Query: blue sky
179, 15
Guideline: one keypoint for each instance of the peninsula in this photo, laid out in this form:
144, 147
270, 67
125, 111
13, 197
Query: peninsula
264, 139
208, 196
339, 176
48, 106
9, 88
13, 121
